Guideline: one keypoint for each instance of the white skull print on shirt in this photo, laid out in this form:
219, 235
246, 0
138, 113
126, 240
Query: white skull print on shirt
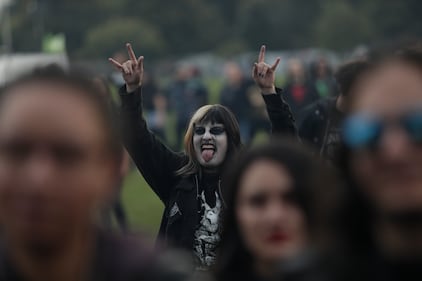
207, 235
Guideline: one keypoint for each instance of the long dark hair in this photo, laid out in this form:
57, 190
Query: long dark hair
309, 178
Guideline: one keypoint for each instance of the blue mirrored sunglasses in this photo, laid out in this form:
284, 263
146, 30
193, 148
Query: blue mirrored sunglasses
365, 130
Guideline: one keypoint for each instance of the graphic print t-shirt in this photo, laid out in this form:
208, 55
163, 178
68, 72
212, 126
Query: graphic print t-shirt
207, 234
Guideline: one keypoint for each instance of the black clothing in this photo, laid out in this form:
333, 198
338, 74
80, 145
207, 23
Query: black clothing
116, 258
322, 127
280, 115
158, 164
301, 268
372, 266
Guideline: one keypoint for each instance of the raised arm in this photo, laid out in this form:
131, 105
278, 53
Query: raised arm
281, 117
155, 161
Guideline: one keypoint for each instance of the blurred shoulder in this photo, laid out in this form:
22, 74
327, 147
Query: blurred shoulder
132, 257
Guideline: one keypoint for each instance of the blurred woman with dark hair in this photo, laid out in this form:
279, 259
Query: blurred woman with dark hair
272, 220
380, 224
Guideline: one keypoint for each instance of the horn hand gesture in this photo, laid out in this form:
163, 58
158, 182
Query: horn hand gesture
264, 74
132, 70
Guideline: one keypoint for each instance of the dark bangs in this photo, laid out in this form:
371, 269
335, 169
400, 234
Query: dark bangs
214, 115
222, 115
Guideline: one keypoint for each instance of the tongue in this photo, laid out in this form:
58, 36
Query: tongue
207, 154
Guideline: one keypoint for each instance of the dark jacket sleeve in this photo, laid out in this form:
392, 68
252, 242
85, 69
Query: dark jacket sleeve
281, 117
309, 130
156, 162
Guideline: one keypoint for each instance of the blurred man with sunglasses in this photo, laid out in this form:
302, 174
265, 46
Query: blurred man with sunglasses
381, 213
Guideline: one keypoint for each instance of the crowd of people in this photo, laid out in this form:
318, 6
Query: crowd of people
334, 194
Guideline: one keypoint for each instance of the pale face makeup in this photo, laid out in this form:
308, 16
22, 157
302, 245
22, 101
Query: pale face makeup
210, 144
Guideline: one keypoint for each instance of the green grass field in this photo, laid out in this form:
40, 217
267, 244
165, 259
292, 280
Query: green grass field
142, 206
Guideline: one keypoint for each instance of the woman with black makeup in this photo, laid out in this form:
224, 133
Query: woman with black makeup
188, 183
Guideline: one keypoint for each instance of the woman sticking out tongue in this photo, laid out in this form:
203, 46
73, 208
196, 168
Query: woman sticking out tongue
210, 144
188, 183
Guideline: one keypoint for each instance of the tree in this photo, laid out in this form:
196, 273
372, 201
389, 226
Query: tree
342, 26
106, 38
280, 24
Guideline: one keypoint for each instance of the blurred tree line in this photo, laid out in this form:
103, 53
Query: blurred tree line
98, 28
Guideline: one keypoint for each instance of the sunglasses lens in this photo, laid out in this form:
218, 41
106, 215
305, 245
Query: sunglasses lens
361, 131
413, 125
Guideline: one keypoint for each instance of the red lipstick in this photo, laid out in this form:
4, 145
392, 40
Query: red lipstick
277, 237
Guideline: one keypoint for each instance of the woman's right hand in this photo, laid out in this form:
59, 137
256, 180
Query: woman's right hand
132, 70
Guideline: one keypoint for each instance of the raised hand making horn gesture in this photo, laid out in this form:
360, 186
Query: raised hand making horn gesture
264, 74
132, 70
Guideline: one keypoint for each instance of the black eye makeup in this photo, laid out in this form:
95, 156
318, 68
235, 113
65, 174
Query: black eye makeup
199, 130
217, 130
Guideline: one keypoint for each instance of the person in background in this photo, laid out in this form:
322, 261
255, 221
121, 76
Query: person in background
322, 79
298, 91
380, 222
60, 161
155, 105
322, 121
270, 227
188, 183
185, 95
239, 95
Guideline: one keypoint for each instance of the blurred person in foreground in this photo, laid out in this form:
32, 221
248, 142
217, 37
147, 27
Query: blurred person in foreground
322, 121
59, 164
381, 218
270, 227
189, 182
